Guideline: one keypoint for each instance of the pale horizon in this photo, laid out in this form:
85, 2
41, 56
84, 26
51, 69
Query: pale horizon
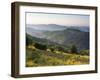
59, 19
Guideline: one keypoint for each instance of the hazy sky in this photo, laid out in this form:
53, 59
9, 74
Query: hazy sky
61, 19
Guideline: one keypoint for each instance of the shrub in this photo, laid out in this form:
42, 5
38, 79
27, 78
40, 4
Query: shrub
84, 52
52, 49
74, 49
40, 46
28, 40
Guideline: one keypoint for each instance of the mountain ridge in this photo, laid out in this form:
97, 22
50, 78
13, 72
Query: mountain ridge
69, 36
54, 27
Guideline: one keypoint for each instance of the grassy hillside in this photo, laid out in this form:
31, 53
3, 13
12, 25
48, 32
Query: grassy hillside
39, 52
36, 57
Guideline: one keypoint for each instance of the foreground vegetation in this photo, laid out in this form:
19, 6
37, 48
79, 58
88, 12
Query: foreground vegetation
39, 54
37, 57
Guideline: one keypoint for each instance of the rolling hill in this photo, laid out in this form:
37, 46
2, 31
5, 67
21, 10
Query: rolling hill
58, 34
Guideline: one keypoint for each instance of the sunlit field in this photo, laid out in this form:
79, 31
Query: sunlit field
53, 57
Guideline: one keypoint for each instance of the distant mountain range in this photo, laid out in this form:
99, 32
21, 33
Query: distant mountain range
55, 27
63, 35
46, 27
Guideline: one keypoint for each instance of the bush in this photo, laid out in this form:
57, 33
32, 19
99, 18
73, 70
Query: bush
74, 49
84, 52
40, 46
52, 49
28, 40
60, 49
30, 54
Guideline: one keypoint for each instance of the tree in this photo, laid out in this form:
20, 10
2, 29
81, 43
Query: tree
28, 40
74, 49
40, 46
52, 49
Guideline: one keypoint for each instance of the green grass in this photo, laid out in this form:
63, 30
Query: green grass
36, 57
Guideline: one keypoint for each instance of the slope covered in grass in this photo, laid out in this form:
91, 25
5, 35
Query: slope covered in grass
36, 57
